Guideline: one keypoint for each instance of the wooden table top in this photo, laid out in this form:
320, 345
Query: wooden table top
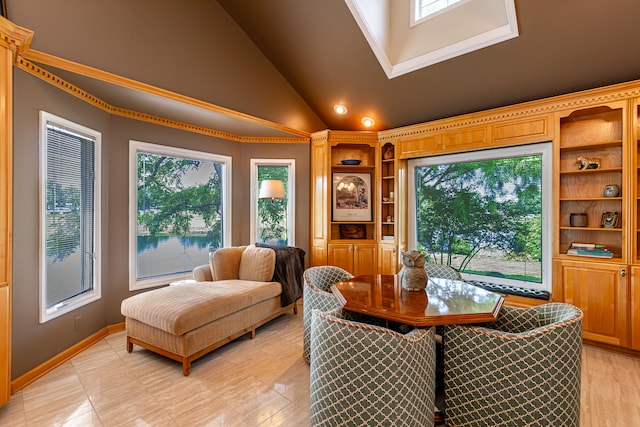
445, 301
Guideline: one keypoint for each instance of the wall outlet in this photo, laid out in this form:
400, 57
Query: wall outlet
76, 323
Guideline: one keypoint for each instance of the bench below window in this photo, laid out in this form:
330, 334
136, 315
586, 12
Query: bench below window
512, 290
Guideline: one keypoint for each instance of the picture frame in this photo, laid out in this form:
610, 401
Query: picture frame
609, 219
351, 196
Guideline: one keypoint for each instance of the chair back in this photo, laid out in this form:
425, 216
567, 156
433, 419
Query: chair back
442, 271
317, 294
364, 375
534, 358
323, 276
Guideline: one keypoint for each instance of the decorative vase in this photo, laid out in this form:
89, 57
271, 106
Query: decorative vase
578, 220
611, 190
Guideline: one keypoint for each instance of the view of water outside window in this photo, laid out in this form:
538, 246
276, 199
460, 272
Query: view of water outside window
179, 217
482, 217
272, 224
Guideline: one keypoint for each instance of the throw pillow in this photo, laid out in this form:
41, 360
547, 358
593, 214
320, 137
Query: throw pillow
225, 263
257, 264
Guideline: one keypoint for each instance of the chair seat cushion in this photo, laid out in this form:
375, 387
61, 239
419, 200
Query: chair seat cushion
180, 309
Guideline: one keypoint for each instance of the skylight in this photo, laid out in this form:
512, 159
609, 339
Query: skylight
462, 26
423, 9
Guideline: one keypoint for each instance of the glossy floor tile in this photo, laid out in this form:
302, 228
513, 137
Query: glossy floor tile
259, 382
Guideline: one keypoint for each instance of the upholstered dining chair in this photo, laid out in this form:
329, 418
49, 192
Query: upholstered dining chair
442, 271
368, 375
317, 294
523, 369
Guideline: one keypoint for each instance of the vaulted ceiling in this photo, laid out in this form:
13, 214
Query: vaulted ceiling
563, 46
287, 62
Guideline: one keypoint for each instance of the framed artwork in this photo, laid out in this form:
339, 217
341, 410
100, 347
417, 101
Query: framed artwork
351, 196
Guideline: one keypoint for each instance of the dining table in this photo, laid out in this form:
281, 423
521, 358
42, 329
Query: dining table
442, 302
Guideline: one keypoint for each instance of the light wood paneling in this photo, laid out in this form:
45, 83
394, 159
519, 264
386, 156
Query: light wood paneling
601, 292
6, 176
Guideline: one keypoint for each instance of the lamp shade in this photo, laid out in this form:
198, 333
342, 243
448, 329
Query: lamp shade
271, 189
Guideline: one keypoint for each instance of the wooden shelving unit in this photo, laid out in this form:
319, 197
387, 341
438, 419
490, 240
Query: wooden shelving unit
593, 133
598, 286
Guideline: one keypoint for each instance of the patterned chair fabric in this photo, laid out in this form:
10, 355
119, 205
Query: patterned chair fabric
367, 375
317, 294
523, 369
442, 271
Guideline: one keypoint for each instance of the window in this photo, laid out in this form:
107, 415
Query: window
272, 220
180, 210
69, 216
423, 9
486, 213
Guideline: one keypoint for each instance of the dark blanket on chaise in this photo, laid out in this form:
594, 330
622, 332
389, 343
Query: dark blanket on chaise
288, 271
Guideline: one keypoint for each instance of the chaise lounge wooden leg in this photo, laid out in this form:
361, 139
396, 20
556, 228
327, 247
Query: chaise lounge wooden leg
186, 366
252, 333
129, 345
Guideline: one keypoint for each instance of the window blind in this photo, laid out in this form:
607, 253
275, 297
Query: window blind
69, 224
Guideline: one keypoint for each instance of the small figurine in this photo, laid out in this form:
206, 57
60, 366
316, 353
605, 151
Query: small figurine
413, 276
588, 163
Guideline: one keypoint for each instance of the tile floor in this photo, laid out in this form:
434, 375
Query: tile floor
259, 382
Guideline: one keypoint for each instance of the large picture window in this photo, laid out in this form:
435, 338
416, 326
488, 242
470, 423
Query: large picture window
69, 216
486, 213
273, 219
180, 211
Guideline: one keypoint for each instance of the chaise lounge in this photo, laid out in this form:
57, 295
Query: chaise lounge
233, 295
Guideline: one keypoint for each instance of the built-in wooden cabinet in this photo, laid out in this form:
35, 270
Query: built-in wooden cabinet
634, 285
593, 180
357, 258
388, 258
600, 290
388, 240
634, 305
591, 159
349, 203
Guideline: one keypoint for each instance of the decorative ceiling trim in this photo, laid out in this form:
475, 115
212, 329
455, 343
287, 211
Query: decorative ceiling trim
49, 77
599, 96
16, 38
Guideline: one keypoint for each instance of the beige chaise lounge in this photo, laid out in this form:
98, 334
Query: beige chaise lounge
232, 296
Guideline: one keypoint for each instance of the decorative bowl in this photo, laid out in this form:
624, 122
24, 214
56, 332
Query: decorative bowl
351, 162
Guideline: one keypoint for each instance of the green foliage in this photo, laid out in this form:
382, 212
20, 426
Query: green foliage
466, 207
166, 204
272, 220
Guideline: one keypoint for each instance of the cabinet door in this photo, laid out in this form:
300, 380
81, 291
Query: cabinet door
341, 255
365, 259
635, 308
600, 291
388, 261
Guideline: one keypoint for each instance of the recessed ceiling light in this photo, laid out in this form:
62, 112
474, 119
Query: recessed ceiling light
340, 109
368, 122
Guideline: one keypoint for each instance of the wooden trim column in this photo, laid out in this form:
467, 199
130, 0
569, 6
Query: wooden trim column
12, 38
6, 91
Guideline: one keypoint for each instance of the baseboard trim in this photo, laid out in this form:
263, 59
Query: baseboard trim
613, 348
24, 380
